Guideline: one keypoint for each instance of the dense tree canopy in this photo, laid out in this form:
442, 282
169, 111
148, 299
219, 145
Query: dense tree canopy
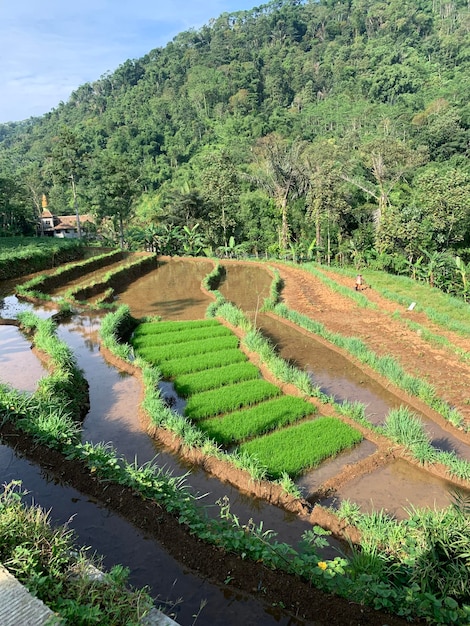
340, 128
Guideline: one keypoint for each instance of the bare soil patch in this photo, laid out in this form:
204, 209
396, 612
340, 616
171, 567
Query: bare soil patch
383, 334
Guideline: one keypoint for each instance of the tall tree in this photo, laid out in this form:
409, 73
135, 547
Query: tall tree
116, 191
220, 188
384, 163
278, 169
67, 164
324, 198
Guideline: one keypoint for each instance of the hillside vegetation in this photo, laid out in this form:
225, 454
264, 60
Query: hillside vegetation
336, 130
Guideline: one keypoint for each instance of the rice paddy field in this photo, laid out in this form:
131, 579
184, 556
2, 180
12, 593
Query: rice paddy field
231, 403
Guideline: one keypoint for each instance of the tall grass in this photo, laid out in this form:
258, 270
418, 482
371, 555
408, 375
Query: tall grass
65, 386
229, 398
298, 448
262, 418
188, 384
402, 426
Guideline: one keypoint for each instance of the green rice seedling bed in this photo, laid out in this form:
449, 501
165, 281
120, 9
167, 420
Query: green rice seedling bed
259, 419
151, 328
189, 384
157, 354
199, 362
229, 398
301, 447
171, 337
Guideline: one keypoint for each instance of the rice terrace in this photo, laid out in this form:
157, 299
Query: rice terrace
282, 447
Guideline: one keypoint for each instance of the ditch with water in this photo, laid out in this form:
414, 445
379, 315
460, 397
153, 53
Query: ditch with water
173, 292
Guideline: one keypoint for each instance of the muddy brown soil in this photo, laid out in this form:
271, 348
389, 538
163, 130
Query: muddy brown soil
385, 335
271, 588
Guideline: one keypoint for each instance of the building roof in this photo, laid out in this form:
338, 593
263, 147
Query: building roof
70, 221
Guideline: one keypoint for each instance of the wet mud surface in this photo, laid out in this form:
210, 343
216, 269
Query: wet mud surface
367, 474
171, 292
19, 365
388, 488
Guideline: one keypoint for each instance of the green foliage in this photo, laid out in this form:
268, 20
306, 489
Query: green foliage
191, 364
262, 418
229, 398
188, 384
301, 447
25, 256
115, 328
405, 428
47, 562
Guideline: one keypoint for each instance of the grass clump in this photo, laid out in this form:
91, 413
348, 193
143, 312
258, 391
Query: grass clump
115, 330
47, 562
256, 420
229, 398
152, 328
183, 336
402, 426
303, 446
157, 354
189, 384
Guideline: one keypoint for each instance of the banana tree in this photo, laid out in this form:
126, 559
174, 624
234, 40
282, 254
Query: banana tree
463, 272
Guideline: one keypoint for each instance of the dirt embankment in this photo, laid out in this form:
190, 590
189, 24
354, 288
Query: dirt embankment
384, 334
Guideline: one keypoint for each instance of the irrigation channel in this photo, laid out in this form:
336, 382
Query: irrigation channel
114, 398
173, 292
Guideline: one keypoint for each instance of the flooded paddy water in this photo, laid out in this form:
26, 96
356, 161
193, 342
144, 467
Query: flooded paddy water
340, 378
173, 292
114, 400
20, 367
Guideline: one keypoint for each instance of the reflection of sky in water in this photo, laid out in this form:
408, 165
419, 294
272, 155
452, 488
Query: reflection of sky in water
343, 390
11, 306
19, 366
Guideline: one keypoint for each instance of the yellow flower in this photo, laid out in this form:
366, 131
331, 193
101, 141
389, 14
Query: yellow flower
322, 565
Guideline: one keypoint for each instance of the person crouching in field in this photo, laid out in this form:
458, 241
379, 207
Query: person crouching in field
360, 283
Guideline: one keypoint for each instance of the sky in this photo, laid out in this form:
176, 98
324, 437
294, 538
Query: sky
51, 47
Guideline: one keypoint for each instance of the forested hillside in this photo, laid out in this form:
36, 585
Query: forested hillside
336, 129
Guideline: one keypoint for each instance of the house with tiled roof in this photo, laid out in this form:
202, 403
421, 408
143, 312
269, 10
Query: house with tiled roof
65, 226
